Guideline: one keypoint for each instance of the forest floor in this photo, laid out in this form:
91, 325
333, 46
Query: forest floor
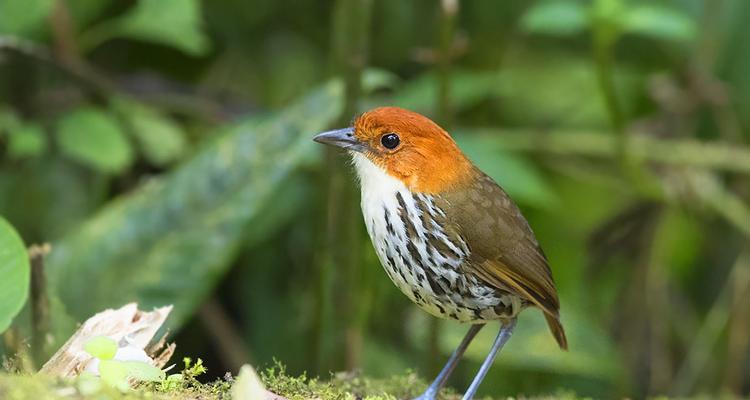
342, 386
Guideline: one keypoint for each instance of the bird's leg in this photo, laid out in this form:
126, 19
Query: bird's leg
505, 331
432, 391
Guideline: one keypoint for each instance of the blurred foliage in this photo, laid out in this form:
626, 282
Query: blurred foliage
15, 270
163, 148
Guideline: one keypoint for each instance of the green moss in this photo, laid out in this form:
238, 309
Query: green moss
341, 386
351, 386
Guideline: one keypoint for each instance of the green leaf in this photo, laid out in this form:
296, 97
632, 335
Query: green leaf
27, 140
101, 347
14, 270
175, 23
23, 17
659, 23
379, 78
161, 139
560, 17
608, 12
143, 372
171, 241
93, 137
117, 373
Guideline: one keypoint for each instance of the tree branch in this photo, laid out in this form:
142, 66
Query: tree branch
82, 72
719, 156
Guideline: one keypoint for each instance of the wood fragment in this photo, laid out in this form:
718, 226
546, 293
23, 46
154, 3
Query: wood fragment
126, 325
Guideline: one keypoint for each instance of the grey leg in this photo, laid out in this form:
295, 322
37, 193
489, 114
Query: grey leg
432, 391
502, 337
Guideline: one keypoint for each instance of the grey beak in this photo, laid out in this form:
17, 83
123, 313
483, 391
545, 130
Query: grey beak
343, 138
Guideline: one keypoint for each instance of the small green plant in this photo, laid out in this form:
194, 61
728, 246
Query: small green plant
118, 373
186, 378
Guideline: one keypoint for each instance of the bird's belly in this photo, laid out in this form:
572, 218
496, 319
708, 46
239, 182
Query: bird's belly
423, 262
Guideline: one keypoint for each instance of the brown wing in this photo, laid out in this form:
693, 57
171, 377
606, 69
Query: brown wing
504, 251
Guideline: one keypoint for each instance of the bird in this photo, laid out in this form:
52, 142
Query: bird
448, 236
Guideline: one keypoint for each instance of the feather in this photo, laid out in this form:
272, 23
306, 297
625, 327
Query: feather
504, 251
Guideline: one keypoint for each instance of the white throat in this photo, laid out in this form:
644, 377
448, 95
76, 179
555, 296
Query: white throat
378, 191
375, 182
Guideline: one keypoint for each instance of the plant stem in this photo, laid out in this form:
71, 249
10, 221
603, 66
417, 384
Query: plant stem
83, 74
715, 322
738, 340
448, 13
40, 317
225, 335
603, 45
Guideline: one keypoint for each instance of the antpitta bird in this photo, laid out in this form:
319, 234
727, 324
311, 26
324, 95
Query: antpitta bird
446, 234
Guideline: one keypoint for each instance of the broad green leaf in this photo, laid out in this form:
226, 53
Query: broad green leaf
608, 11
175, 23
93, 137
161, 139
558, 17
23, 17
379, 78
143, 372
101, 347
14, 270
117, 373
659, 23
606, 21
27, 140
171, 241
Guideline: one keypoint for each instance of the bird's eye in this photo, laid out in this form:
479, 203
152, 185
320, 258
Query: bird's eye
390, 140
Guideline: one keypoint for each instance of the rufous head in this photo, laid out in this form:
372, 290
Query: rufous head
407, 146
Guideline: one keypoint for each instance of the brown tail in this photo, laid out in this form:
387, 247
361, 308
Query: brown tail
557, 330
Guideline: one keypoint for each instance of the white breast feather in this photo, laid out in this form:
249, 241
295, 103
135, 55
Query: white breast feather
379, 193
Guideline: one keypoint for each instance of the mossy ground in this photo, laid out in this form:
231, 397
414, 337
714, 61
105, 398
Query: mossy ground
342, 386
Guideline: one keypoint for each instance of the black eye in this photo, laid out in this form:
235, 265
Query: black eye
390, 140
